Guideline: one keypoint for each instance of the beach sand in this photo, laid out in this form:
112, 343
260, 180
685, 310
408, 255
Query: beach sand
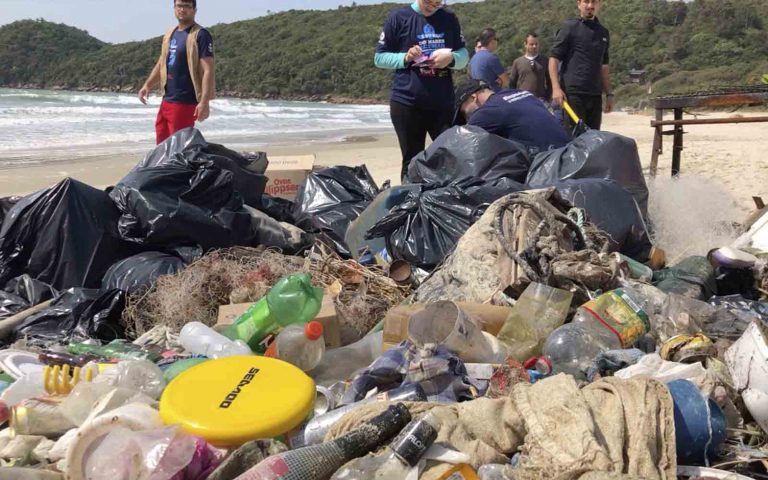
731, 155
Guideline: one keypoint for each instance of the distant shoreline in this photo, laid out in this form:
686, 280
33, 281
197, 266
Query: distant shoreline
329, 98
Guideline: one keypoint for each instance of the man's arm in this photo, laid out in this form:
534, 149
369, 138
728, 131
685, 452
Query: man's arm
547, 80
154, 79
557, 91
514, 75
605, 73
203, 110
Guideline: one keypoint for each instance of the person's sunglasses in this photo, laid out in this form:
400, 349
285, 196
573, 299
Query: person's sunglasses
184, 6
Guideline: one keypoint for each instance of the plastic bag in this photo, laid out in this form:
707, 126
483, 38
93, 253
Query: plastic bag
153, 455
278, 208
271, 233
141, 271
65, 236
469, 153
76, 315
6, 204
331, 198
173, 205
424, 229
135, 375
594, 154
31, 290
187, 148
614, 211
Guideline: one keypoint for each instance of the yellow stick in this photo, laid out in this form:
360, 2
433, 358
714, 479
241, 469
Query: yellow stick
570, 112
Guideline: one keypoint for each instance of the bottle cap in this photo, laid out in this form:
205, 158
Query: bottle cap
313, 330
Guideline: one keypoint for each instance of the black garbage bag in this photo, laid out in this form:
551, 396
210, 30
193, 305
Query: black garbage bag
331, 198
278, 208
141, 271
488, 192
22, 293
594, 154
469, 153
613, 210
187, 148
273, 234
77, 315
65, 236
173, 205
6, 204
424, 229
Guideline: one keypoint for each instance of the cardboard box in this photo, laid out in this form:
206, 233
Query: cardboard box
327, 316
287, 173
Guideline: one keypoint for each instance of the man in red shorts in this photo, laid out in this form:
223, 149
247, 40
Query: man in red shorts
185, 73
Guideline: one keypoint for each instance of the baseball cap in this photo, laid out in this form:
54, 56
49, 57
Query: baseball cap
463, 92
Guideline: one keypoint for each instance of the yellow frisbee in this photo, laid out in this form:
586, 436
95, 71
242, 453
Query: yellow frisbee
233, 400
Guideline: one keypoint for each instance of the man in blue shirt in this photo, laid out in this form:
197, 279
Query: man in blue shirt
422, 43
185, 73
513, 114
485, 65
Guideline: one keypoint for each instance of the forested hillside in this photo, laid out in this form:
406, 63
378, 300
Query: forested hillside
682, 46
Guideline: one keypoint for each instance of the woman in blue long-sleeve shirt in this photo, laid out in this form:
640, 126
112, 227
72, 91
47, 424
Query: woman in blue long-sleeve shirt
422, 93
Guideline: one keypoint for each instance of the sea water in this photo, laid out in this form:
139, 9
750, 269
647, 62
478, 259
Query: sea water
37, 126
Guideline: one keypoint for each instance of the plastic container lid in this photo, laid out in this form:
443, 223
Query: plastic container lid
313, 330
233, 400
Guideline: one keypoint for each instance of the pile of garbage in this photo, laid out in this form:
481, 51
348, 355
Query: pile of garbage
497, 317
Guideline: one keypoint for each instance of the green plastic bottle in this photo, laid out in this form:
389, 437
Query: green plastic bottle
118, 349
293, 300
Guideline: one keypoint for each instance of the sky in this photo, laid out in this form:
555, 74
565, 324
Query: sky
118, 21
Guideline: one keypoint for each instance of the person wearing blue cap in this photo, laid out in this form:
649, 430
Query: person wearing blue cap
513, 114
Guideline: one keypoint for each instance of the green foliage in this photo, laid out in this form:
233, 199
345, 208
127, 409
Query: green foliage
682, 46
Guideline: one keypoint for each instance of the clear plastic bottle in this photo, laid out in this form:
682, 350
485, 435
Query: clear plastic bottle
300, 345
340, 363
538, 312
398, 458
293, 300
200, 339
493, 471
614, 320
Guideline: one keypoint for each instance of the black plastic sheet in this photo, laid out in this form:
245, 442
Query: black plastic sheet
424, 229
65, 236
469, 153
172, 205
187, 148
141, 271
278, 208
594, 154
612, 209
77, 315
331, 198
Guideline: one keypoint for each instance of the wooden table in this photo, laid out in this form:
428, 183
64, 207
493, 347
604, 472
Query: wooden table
720, 97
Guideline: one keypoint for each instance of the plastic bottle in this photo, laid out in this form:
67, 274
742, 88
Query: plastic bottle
119, 349
302, 346
612, 321
30, 385
493, 471
314, 432
321, 461
398, 458
340, 363
538, 312
293, 300
200, 339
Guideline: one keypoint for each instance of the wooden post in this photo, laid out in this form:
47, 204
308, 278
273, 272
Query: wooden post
658, 143
677, 146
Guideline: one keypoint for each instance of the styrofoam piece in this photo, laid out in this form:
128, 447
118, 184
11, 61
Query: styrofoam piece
747, 360
756, 237
18, 363
685, 471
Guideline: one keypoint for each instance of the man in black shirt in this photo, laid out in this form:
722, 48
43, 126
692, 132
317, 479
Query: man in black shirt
578, 66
